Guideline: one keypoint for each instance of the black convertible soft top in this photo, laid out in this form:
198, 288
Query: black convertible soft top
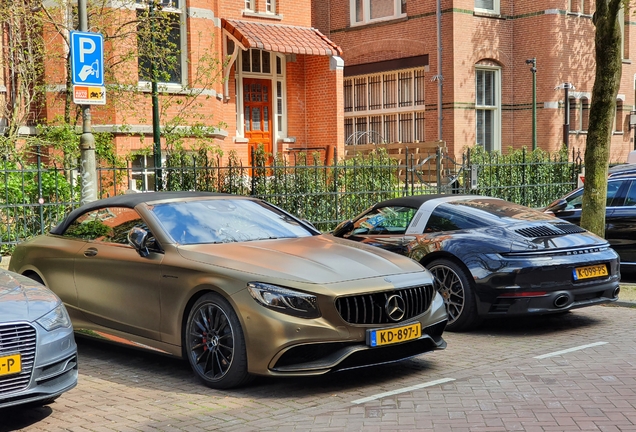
130, 201
415, 201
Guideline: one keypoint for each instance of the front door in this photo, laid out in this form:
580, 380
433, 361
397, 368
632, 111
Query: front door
257, 113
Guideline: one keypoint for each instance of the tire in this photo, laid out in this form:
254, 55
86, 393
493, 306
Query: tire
214, 343
457, 291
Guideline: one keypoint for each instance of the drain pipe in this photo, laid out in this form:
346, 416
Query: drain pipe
439, 77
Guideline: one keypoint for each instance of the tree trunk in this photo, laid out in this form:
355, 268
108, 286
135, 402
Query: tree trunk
602, 110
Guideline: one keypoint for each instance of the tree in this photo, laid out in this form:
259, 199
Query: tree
607, 42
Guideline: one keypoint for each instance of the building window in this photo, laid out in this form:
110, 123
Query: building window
143, 173
575, 115
270, 6
256, 61
385, 107
487, 6
488, 108
249, 5
160, 41
618, 120
368, 11
585, 113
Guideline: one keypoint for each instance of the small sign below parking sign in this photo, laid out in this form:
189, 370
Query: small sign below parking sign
89, 95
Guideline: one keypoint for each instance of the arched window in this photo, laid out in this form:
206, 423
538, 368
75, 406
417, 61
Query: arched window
488, 107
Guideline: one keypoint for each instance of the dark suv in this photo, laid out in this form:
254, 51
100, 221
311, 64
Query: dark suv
620, 215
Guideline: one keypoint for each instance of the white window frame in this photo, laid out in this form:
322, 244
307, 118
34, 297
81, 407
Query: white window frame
250, 6
495, 8
145, 172
496, 133
367, 107
366, 12
270, 6
143, 4
274, 77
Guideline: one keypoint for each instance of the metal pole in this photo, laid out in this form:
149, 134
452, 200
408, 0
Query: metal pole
88, 177
533, 68
566, 123
534, 105
156, 131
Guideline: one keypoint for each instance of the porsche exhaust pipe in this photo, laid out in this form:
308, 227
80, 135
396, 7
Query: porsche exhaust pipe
561, 301
616, 292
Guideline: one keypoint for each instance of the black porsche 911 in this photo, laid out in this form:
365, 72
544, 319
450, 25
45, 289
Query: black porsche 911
492, 257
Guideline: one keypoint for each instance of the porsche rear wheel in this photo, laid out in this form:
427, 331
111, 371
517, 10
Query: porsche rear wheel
215, 345
457, 292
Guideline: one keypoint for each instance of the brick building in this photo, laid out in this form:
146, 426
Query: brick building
399, 75
276, 81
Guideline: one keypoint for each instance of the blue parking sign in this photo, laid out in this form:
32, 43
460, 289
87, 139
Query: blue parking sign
87, 58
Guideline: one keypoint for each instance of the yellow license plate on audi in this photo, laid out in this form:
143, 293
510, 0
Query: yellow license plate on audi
589, 272
11, 364
394, 335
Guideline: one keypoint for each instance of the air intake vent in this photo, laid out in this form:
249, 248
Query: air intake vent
17, 339
372, 308
551, 230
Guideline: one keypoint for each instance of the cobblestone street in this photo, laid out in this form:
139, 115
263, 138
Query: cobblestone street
571, 372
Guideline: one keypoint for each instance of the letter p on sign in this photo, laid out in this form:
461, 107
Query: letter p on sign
87, 46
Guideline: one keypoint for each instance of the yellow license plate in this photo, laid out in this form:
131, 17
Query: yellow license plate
589, 272
394, 335
11, 364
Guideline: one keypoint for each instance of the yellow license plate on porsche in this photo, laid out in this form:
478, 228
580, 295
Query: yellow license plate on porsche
394, 335
11, 364
589, 272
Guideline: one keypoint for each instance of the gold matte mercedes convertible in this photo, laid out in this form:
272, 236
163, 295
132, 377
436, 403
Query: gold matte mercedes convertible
235, 285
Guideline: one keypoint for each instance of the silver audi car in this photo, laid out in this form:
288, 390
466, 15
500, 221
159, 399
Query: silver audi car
38, 355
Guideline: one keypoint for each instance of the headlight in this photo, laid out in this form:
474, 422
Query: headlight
284, 300
57, 318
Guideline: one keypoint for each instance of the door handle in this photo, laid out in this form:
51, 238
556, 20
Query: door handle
90, 252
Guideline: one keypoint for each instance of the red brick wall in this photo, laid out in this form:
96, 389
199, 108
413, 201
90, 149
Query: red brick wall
562, 43
305, 80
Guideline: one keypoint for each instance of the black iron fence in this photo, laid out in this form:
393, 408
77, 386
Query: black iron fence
34, 197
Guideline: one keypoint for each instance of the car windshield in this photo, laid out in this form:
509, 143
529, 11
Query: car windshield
225, 221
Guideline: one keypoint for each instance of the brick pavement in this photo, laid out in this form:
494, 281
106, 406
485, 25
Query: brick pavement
494, 383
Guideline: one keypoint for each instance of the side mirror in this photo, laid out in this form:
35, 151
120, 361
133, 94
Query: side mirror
343, 228
556, 206
138, 238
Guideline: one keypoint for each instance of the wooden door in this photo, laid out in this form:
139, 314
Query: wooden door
257, 114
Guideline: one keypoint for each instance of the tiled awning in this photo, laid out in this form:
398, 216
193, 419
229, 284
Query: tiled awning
281, 38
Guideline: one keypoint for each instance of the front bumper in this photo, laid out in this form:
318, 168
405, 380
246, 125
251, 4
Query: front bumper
283, 345
54, 370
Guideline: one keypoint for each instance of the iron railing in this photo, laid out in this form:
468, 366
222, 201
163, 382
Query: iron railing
33, 198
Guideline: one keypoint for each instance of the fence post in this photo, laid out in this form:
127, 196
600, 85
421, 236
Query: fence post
438, 167
40, 198
253, 172
406, 170
523, 176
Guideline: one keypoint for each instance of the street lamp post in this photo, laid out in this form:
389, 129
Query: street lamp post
156, 131
533, 69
